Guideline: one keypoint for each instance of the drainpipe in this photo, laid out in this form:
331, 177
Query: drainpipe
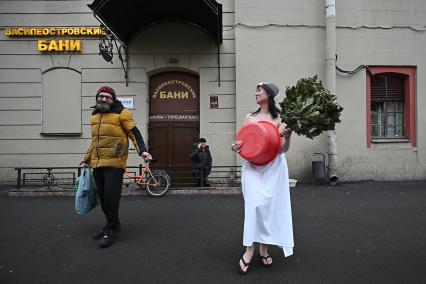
330, 9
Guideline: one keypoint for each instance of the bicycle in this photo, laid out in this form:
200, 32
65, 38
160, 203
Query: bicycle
157, 182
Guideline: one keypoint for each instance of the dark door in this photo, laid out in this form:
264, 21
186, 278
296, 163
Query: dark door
171, 146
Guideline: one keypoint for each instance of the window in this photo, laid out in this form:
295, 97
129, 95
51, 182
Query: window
391, 105
387, 106
61, 103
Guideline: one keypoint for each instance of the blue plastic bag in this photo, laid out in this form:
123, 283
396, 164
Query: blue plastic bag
86, 197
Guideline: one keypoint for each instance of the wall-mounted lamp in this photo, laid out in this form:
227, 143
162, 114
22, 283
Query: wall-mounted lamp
106, 46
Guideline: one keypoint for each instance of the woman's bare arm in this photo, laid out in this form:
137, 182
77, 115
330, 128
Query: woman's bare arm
236, 145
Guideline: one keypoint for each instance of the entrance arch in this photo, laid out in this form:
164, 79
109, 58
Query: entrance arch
174, 122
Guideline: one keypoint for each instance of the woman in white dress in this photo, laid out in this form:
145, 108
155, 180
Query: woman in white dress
267, 207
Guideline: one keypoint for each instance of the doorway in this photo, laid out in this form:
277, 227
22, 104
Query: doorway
174, 123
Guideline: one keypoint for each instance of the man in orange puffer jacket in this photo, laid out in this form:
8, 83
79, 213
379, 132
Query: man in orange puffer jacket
112, 125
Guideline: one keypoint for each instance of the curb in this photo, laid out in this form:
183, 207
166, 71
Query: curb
44, 192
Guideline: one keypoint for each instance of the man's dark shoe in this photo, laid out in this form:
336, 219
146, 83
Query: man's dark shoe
117, 229
107, 239
99, 235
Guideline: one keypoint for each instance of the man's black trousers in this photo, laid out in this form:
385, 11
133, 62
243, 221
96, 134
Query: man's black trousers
108, 183
199, 176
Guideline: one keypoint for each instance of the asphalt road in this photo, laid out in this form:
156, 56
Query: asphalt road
352, 233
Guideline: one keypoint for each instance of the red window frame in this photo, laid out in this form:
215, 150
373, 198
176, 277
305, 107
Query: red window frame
409, 100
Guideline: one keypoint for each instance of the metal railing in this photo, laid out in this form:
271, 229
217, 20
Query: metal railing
181, 176
46, 176
220, 176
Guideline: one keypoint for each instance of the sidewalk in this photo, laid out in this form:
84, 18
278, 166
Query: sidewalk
371, 232
132, 190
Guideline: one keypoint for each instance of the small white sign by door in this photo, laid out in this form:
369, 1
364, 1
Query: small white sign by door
126, 101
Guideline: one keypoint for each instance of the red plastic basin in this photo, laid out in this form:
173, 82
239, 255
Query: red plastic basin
261, 142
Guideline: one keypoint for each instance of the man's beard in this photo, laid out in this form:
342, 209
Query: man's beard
103, 107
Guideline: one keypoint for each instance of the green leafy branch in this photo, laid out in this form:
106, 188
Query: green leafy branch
309, 108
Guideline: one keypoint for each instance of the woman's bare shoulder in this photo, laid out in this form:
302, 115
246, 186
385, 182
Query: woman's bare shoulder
249, 118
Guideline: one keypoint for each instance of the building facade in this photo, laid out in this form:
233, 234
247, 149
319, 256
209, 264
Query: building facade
182, 83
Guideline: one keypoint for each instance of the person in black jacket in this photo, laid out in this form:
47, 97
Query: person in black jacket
201, 163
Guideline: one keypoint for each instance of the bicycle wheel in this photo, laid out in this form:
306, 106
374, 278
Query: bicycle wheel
164, 173
159, 189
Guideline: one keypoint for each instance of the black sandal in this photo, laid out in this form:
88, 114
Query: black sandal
242, 272
266, 264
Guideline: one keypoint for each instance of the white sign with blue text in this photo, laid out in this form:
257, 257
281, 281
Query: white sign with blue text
126, 101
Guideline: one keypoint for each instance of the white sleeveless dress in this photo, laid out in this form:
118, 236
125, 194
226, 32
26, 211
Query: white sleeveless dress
267, 205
